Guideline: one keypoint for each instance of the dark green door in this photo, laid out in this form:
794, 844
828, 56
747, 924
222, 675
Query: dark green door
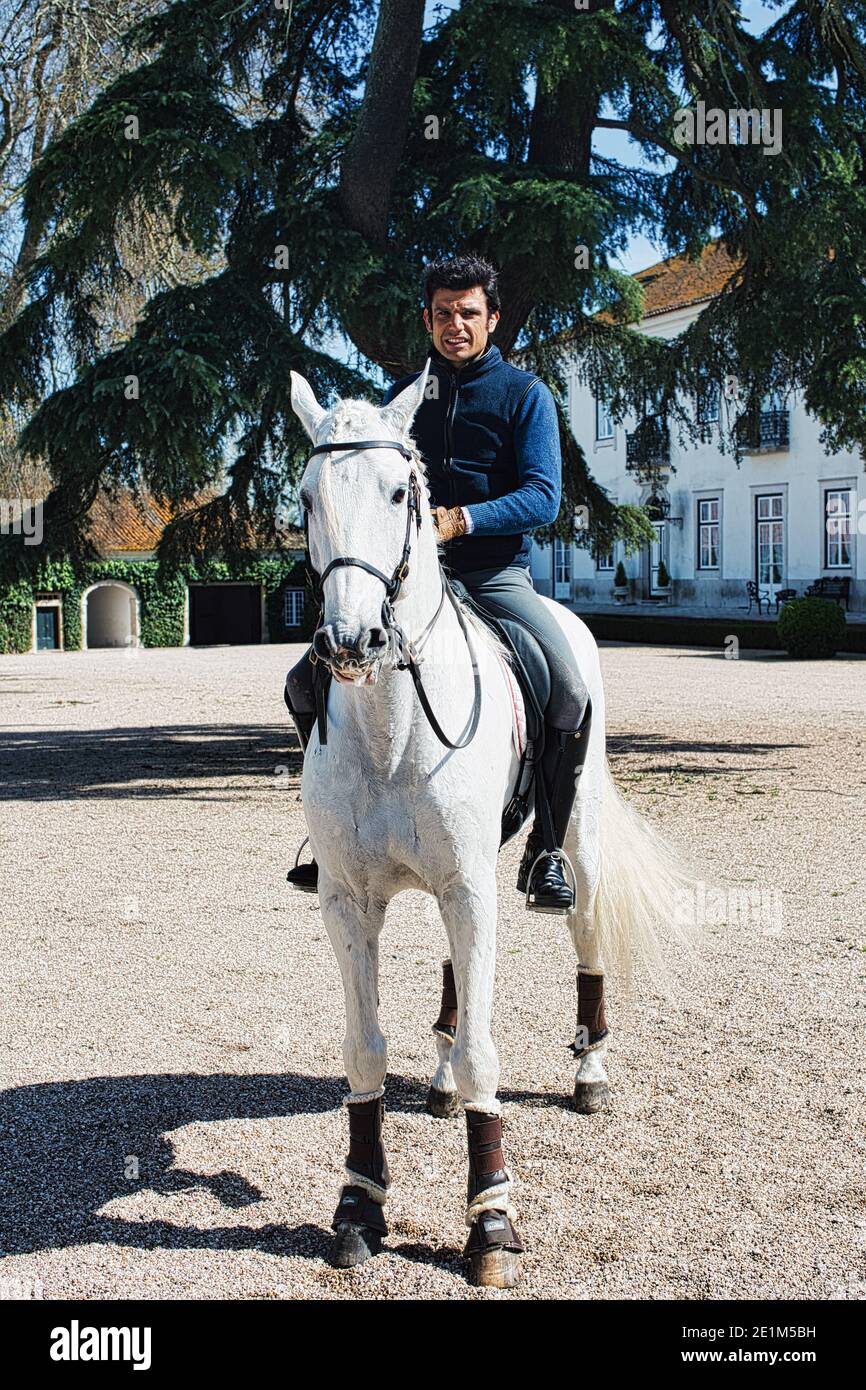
46, 629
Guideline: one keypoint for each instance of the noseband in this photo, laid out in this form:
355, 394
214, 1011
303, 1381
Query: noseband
393, 585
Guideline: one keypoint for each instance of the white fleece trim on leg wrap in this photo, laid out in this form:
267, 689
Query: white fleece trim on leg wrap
490, 1107
372, 1189
492, 1199
361, 1097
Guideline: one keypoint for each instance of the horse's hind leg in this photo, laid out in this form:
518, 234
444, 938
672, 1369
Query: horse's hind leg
359, 1220
493, 1247
443, 1100
591, 1083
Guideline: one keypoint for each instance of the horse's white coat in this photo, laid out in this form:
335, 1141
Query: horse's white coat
389, 808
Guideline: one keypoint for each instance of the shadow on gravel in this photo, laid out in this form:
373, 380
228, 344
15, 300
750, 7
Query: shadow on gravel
49, 764
106, 764
619, 745
66, 1148
539, 1100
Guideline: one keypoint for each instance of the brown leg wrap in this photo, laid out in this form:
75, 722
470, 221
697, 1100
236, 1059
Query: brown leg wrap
591, 1021
486, 1161
357, 1206
492, 1231
366, 1155
447, 1021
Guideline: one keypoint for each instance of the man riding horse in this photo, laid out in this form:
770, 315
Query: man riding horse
489, 438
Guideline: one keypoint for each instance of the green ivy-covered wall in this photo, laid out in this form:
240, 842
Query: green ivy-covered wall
161, 599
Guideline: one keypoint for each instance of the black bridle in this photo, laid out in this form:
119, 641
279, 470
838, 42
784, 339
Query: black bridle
393, 585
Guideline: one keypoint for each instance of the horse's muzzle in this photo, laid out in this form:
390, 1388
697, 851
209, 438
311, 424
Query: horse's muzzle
350, 656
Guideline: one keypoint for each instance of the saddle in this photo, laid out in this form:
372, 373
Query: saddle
529, 664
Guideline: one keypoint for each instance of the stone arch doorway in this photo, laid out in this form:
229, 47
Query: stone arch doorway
109, 616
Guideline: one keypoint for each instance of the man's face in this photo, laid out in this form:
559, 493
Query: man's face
460, 323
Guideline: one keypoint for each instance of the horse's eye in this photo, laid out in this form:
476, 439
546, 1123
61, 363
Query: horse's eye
399, 495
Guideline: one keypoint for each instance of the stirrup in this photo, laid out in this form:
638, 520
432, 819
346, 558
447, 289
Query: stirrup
561, 855
297, 867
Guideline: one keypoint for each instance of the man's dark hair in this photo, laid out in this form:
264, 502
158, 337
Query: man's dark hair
462, 273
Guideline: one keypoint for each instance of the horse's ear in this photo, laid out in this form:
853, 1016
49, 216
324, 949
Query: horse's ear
305, 405
401, 411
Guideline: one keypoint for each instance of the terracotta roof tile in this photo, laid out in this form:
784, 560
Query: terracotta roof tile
124, 523
679, 282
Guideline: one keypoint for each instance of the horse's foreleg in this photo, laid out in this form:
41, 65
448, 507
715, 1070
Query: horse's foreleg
442, 1098
469, 914
591, 1084
359, 1220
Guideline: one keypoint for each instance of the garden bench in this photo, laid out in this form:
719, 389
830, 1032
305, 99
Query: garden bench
831, 587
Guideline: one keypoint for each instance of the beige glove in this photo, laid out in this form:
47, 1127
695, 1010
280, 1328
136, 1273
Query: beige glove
449, 522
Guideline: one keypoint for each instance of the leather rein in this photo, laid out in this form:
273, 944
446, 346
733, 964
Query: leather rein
393, 584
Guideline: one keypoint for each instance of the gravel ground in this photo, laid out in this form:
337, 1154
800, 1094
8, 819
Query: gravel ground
171, 1014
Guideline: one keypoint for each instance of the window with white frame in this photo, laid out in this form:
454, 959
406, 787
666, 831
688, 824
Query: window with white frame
708, 400
837, 528
603, 419
709, 535
604, 560
562, 558
293, 607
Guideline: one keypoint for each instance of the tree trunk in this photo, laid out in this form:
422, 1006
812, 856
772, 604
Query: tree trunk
373, 156
560, 144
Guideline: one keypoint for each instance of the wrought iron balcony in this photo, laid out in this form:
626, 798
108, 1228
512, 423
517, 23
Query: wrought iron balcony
763, 431
648, 447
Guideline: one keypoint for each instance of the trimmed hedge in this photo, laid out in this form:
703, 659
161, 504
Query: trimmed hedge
16, 618
662, 630
811, 627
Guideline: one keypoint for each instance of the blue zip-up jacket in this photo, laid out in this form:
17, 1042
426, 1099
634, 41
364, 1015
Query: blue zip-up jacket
489, 439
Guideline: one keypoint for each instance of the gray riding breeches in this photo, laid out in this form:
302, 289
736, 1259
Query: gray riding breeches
503, 593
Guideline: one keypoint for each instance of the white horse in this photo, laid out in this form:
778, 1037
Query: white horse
390, 807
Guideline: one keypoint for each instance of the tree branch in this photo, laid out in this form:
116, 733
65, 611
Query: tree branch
650, 137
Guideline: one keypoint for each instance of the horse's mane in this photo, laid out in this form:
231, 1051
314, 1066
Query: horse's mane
350, 418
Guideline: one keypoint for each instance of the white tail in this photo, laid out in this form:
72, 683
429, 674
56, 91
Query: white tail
641, 886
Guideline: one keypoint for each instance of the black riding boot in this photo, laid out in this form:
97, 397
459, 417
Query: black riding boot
305, 877
564, 757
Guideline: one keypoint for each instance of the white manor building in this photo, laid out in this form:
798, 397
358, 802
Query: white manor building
788, 516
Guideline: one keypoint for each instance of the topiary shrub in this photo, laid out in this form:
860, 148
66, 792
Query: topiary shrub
620, 578
663, 579
811, 627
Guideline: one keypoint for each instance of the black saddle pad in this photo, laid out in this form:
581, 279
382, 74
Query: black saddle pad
529, 664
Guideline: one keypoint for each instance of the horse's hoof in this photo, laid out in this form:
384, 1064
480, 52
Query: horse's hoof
354, 1244
494, 1269
590, 1097
443, 1104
